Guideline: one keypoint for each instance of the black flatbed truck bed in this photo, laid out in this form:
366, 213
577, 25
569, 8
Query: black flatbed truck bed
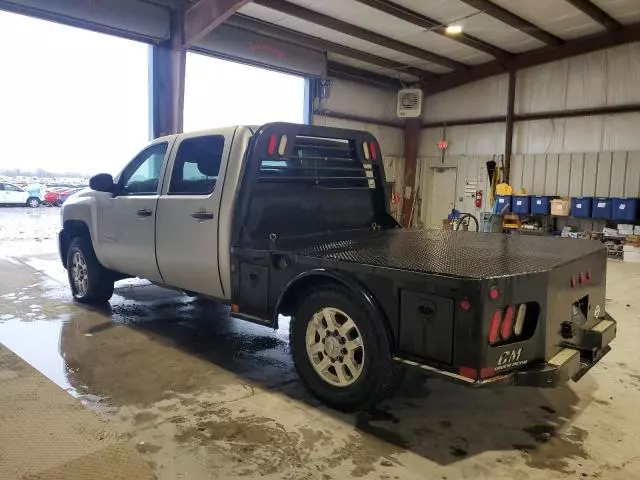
476, 308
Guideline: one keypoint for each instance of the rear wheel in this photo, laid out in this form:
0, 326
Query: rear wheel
33, 202
341, 350
90, 282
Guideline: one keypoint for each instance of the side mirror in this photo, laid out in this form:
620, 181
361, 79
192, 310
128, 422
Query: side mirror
103, 182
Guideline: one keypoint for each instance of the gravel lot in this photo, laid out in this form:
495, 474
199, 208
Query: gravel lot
28, 231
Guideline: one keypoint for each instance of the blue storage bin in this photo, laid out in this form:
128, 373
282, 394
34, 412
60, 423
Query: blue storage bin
540, 205
601, 208
625, 209
501, 202
521, 204
581, 207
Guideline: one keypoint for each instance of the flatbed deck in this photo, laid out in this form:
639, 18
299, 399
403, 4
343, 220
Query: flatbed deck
440, 252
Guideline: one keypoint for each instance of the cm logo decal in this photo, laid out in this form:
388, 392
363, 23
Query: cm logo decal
510, 358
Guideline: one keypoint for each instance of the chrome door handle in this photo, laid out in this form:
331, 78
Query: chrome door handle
202, 215
144, 212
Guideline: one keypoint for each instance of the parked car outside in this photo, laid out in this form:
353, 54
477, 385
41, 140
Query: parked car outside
56, 196
11, 194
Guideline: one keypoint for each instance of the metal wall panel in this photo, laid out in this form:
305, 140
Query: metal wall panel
539, 173
603, 180
589, 174
517, 167
551, 176
618, 171
576, 174
527, 172
564, 174
632, 177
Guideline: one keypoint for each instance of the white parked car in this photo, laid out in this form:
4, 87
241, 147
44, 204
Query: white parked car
13, 195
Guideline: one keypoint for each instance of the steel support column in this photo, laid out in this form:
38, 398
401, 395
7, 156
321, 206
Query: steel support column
411, 145
166, 82
508, 141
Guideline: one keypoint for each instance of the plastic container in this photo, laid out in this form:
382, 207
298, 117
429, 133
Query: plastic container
560, 207
521, 204
581, 207
601, 208
540, 205
502, 201
624, 209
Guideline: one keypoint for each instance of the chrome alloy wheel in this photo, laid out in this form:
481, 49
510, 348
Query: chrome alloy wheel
79, 274
335, 347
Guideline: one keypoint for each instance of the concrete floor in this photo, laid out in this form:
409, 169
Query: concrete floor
202, 395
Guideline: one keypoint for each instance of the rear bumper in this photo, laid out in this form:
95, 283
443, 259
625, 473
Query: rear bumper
567, 364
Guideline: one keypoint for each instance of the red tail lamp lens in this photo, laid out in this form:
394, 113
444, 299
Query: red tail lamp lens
465, 305
495, 326
507, 324
273, 143
487, 372
583, 279
373, 150
494, 293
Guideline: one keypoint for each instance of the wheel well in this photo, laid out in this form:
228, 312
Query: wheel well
71, 230
291, 296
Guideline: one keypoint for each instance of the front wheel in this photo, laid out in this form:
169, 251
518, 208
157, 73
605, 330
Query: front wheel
90, 282
341, 350
33, 202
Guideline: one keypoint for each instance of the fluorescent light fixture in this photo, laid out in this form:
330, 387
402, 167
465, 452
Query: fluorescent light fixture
454, 29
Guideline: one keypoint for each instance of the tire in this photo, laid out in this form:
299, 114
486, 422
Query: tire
33, 202
375, 377
59, 203
90, 282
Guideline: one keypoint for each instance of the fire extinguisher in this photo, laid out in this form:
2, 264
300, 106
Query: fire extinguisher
479, 199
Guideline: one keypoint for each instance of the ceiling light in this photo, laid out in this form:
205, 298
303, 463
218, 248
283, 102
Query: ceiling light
454, 29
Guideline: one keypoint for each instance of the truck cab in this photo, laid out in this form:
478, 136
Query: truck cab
293, 220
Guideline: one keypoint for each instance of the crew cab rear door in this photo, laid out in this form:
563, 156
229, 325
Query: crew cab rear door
188, 212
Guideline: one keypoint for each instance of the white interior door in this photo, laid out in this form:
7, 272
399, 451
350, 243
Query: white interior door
443, 195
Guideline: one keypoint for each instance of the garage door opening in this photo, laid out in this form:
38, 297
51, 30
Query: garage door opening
221, 93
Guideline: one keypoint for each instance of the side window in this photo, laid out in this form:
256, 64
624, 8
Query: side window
1, 187
142, 175
11, 188
197, 164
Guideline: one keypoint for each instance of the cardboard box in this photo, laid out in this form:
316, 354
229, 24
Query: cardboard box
560, 207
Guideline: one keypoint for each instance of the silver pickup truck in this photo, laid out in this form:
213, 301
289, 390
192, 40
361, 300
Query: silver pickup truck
292, 220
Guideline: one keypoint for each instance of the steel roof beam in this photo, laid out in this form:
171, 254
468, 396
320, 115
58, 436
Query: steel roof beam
513, 20
358, 32
435, 26
205, 15
597, 14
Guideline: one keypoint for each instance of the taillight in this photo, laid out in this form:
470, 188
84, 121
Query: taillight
507, 324
373, 150
465, 305
495, 326
519, 325
468, 372
273, 142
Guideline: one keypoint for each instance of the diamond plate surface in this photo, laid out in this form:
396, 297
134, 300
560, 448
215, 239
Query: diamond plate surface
455, 253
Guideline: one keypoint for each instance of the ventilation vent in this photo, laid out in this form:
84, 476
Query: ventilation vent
410, 103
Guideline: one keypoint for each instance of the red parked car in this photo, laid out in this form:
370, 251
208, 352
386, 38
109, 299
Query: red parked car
57, 196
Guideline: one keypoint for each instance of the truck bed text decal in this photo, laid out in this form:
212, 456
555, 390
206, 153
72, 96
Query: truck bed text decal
510, 359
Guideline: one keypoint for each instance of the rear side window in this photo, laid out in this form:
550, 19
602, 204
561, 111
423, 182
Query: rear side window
197, 165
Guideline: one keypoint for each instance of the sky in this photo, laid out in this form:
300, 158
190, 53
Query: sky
74, 100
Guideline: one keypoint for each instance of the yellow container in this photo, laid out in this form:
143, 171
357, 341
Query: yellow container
560, 207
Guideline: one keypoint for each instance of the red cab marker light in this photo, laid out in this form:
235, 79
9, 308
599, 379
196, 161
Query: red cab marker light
507, 324
465, 305
468, 373
583, 279
494, 293
273, 142
495, 326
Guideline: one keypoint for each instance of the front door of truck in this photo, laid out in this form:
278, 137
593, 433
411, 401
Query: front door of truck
127, 221
188, 209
